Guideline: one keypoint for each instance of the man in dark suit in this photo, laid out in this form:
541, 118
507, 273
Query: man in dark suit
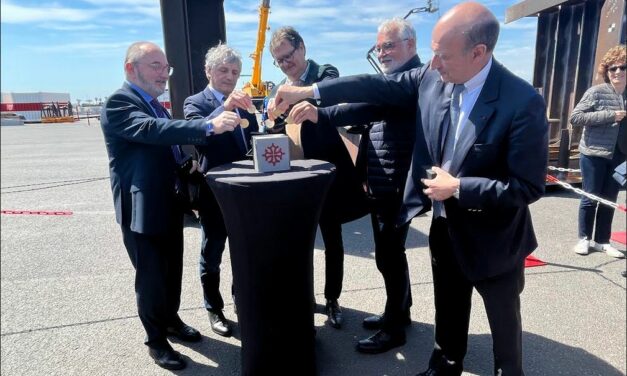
345, 200
486, 129
223, 66
387, 158
144, 156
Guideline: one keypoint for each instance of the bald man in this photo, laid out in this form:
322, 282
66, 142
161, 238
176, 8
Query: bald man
486, 132
144, 157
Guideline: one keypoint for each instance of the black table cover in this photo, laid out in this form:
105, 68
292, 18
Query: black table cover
271, 221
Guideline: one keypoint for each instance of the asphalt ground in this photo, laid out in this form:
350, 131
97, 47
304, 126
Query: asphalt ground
68, 306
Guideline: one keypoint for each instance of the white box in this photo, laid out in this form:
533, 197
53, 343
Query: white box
271, 153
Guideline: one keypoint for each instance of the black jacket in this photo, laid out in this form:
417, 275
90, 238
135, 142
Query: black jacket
389, 142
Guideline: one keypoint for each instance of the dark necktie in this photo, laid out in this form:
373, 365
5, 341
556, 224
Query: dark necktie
449, 143
160, 112
240, 137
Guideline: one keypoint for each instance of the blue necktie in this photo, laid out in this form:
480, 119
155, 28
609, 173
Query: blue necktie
240, 137
449, 143
160, 111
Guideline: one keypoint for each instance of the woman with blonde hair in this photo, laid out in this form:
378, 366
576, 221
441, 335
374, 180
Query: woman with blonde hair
601, 113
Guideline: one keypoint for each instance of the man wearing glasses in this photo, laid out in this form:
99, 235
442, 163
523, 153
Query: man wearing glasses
390, 141
144, 157
346, 200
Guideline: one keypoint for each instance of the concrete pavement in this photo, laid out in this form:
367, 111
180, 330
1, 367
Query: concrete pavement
68, 306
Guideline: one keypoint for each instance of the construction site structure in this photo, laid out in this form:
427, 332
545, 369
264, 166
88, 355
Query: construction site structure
257, 88
38, 107
572, 37
57, 112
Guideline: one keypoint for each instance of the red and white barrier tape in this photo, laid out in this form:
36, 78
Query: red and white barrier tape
36, 212
614, 205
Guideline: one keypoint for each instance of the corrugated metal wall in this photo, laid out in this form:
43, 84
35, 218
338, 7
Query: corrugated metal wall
571, 40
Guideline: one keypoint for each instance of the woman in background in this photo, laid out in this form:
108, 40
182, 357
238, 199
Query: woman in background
601, 112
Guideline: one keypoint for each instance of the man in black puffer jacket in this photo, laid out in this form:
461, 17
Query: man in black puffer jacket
390, 143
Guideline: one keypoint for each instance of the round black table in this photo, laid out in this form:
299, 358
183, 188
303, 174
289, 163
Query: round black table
271, 221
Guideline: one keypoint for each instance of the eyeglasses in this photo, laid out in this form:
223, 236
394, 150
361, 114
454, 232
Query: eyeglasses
616, 68
387, 46
284, 59
160, 68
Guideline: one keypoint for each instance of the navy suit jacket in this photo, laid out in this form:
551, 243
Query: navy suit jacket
222, 148
500, 158
141, 162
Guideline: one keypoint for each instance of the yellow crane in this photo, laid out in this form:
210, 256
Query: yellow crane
256, 88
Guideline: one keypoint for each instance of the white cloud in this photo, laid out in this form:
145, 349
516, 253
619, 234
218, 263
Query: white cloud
68, 48
16, 14
524, 24
124, 3
73, 27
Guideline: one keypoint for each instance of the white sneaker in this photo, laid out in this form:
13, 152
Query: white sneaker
607, 248
582, 246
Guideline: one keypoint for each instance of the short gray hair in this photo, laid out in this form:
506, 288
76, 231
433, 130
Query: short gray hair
287, 33
403, 27
137, 50
484, 30
221, 54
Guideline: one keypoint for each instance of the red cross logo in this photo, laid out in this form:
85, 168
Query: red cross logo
273, 154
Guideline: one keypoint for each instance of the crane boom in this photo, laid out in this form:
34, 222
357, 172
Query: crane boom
255, 87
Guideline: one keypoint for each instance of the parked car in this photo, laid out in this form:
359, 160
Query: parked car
11, 118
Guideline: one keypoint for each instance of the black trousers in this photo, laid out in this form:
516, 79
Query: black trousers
212, 247
331, 231
158, 263
391, 261
453, 292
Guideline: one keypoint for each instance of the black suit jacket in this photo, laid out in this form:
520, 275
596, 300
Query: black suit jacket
501, 158
222, 148
141, 162
346, 200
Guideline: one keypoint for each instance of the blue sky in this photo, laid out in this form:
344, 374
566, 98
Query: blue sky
78, 46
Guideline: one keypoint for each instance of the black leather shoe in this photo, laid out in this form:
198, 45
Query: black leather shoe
375, 322
219, 324
184, 332
381, 341
429, 372
167, 358
334, 312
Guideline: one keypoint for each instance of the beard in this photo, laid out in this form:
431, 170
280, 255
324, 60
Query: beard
150, 87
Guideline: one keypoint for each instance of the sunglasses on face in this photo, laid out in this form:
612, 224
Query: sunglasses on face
616, 68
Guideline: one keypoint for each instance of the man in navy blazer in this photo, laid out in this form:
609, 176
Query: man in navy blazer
486, 132
142, 144
223, 66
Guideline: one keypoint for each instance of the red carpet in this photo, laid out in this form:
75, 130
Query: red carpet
619, 237
531, 261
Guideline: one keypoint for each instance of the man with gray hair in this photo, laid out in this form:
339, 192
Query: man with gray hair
223, 66
388, 155
486, 133
144, 158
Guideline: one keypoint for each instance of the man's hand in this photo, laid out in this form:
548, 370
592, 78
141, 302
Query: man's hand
442, 186
194, 166
619, 115
303, 111
287, 96
238, 99
225, 122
